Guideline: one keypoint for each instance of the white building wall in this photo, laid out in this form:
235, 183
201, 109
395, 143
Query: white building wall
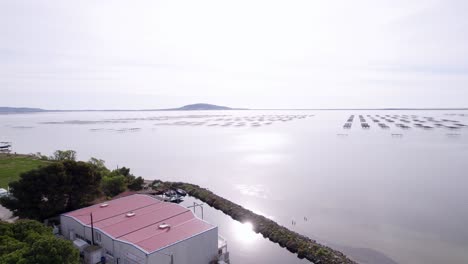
106, 242
68, 224
129, 254
200, 249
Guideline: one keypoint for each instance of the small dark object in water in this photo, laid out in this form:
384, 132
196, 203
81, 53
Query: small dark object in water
181, 192
176, 199
5, 146
384, 126
170, 193
402, 126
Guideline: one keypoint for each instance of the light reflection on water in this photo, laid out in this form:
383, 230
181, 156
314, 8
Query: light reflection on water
403, 196
260, 142
244, 245
243, 232
264, 158
257, 190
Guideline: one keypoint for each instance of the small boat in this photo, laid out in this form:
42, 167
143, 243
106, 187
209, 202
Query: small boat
174, 196
170, 193
181, 192
5, 147
176, 199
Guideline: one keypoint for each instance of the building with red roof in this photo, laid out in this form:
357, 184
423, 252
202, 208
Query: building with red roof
140, 229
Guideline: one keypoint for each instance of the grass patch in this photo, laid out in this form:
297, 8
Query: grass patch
11, 166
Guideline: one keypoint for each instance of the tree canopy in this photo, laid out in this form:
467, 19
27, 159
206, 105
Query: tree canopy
113, 185
53, 189
61, 155
65, 185
117, 181
28, 241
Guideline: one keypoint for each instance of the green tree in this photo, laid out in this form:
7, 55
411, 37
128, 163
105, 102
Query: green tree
133, 183
99, 164
28, 241
136, 184
51, 250
113, 184
123, 171
53, 189
61, 155
83, 184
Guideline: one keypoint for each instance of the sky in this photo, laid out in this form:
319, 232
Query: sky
110, 54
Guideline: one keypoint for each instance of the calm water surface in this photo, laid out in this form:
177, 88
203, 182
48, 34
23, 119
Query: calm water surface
374, 193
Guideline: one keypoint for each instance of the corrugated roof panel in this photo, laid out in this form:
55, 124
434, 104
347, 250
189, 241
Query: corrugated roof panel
142, 227
115, 207
181, 232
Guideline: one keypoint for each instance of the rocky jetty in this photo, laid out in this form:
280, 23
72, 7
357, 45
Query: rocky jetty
296, 243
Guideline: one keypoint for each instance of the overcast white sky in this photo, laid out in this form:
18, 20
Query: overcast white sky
259, 54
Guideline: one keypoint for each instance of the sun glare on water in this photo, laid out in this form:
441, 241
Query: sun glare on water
244, 232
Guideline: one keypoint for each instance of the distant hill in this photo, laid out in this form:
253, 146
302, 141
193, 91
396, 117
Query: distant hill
20, 110
195, 107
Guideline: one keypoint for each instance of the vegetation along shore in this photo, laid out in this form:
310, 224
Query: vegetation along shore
44, 187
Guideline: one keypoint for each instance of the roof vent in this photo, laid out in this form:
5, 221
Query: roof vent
104, 205
164, 226
130, 214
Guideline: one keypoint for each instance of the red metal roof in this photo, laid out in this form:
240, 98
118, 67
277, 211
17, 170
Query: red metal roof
142, 229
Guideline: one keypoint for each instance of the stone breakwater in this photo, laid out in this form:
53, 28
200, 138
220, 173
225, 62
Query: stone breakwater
296, 243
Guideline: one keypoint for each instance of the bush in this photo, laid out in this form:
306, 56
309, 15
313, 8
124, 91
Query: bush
28, 241
136, 184
113, 185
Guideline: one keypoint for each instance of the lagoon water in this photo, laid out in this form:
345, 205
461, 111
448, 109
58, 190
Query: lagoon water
380, 195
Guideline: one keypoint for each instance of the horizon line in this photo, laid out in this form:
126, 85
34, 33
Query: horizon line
31, 109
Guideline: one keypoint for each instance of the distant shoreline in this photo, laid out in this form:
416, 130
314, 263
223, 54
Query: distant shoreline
33, 111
